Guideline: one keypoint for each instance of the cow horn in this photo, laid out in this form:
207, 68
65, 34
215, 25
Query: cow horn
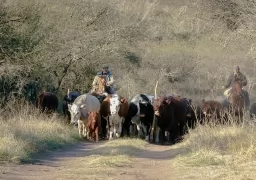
68, 93
156, 89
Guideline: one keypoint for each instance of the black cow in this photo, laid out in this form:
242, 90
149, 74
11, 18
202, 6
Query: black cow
172, 114
195, 115
47, 102
69, 99
140, 113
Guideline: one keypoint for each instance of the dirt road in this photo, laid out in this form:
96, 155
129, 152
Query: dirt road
72, 163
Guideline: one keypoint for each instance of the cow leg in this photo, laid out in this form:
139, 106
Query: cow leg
163, 136
114, 130
146, 131
85, 133
139, 130
111, 129
157, 131
80, 129
111, 133
119, 129
125, 128
97, 134
103, 127
131, 130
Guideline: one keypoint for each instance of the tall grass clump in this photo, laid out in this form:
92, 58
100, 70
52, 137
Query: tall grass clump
24, 131
217, 145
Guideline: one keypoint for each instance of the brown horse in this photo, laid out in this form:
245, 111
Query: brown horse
237, 99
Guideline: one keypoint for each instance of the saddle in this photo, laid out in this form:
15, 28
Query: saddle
242, 94
100, 96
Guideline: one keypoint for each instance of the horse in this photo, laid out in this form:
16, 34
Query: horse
101, 81
237, 99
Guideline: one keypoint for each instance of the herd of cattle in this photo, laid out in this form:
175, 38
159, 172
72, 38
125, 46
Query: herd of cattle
144, 115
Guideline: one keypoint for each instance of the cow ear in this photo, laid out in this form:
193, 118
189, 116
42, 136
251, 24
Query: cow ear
123, 100
168, 101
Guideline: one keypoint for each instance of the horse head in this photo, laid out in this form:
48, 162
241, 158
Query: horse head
101, 84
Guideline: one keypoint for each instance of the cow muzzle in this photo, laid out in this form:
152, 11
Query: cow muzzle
142, 115
113, 113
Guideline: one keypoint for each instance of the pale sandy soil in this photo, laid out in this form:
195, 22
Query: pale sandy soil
154, 162
147, 164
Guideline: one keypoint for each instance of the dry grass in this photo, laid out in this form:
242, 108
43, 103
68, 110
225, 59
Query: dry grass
219, 152
26, 132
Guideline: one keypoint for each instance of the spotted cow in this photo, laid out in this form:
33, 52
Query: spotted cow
141, 113
113, 109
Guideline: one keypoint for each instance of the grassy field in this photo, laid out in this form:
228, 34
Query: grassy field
219, 152
27, 132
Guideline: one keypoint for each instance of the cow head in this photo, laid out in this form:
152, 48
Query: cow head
144, 107
114, 104
74, 112
163, 106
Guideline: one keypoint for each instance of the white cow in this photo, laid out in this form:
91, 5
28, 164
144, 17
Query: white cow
80, 109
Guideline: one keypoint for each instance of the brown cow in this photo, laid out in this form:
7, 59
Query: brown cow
113, 109
47, 102
214, 112
94, 125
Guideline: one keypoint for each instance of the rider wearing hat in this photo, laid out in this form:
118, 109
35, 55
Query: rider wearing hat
241, 77
109, 80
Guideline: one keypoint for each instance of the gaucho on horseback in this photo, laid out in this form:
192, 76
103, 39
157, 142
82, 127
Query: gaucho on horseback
238, 76
103, 82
